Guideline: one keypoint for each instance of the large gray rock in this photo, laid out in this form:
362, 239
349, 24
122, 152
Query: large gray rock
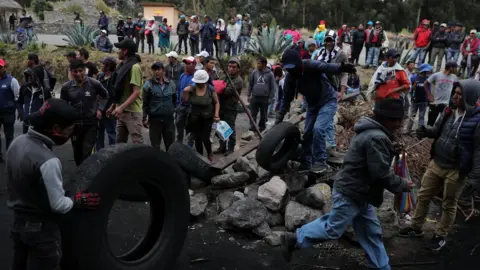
315, 196
237, 196
296, 182
297, 215
248, 136
244, 165
262, 173
230, 180
198, 203
275, 219
388, 216
228, 170
274, 238
224, 200
251, 191
262, 230
273, 194
243, 214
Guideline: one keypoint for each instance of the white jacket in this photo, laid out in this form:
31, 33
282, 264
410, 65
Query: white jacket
233, 31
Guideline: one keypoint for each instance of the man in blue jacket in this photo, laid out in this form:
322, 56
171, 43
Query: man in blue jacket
207, 33
9, 92
308, 77
182, 108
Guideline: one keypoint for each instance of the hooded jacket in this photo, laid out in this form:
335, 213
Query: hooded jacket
422, 37
262, 84
359, 37
310, 80
455, 39
207, 30
233, 31
471, 46
221, 29
454, 146
366, 169
440, 39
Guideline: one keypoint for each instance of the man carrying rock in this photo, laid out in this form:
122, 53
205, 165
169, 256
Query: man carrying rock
308, 77
359, 187
228, 105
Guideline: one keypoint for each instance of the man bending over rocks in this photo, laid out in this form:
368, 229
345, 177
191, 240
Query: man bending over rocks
359, 187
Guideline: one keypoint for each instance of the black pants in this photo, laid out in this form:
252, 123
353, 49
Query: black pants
229, 116
201, 129
12, 26
151, 45
140, 40
259, 104
84, 138
182, 39
195, 47
161, 127
356, 50
36, 244
433, 111
7, 121
120, 38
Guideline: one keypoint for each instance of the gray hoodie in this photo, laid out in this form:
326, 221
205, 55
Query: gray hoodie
366, 169
262, 84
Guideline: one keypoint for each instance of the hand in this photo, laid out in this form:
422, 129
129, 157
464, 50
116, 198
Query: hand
340, 95
145, 123
89, 201
348, 68
410, 185
430, 97
99, 114
117, 111
249, 99
109, 111
216, 118
188, 89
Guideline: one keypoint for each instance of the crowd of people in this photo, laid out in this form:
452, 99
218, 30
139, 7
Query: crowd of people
182, 98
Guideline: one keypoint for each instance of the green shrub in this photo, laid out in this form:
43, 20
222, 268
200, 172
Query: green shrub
100, 4
78, 36
270, 44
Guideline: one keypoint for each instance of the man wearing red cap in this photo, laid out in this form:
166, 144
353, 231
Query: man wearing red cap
422, 37
9, 92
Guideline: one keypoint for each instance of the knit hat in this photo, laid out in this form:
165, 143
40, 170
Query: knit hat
389, 108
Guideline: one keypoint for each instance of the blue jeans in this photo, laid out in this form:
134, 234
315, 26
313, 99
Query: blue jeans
244, 43
332, 226
453, 54
110, 126
318, 122
421, 107
420, 53
372, 56
232, 51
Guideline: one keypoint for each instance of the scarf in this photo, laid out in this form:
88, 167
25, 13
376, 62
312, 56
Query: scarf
380, 75
121, 75
326, 57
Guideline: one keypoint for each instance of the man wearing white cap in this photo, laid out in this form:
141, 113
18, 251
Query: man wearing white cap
201, 59
103, 43
174, 68
439, 44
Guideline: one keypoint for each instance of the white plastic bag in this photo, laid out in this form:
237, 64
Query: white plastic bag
222, 129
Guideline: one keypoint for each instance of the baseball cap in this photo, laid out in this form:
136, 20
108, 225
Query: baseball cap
392, 53
436, 23
330, 35
70, 54
451, 64
291, 59
53, 111
370, 23
2, 63
173, 54
473, 31
203, 53
157, 65
189, 59
129, 17
234, 60
378, 22
443, 25
310, 41
126, 44
104, 31
425, 68
200, 76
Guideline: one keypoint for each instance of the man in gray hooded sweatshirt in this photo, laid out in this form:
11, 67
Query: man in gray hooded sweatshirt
261, 92
455, 155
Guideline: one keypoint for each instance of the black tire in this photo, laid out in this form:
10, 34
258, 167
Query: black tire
267, 156
191, 162
109, 173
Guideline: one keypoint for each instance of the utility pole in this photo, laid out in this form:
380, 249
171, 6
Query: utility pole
304, 11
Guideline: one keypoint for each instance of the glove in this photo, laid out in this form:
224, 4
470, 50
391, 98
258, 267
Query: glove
88, 201
347, 67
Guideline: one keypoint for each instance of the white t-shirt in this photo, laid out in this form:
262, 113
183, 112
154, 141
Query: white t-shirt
442, 87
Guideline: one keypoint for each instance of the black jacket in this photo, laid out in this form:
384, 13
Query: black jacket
440, 39
359, 37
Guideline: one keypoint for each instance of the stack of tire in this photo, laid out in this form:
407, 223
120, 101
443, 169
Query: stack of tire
135, 173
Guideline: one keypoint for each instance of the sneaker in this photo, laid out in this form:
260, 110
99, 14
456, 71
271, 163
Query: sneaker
410, 232
289, 242
437, 243
319, 168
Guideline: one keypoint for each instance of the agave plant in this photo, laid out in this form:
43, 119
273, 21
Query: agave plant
172, 47
78, 36
270, 43
7, 38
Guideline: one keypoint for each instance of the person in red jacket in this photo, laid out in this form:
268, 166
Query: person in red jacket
470, 53
422, 37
